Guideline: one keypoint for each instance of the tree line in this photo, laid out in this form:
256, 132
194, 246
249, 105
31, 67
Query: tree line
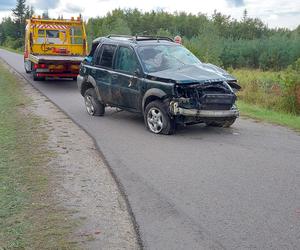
219, 39
12, 29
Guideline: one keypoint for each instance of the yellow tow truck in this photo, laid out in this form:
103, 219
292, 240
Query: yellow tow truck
54, 47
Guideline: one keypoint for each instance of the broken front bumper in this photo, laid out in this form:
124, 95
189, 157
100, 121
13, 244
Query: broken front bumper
176, 110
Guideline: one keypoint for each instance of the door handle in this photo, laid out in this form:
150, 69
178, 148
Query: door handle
114, 77
132, 81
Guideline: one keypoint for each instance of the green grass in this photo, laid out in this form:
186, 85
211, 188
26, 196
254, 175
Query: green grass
269, 89
268, 96
12, 50
29, 217
263, 114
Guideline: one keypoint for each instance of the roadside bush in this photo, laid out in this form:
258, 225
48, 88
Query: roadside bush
291, 88
260, 88
12, 43
279, 91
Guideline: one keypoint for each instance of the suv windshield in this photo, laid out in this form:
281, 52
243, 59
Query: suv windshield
163, 57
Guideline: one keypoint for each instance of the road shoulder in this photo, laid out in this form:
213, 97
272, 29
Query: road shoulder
80, 181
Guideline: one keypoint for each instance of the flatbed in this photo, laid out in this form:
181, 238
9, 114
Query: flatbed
54, 47
54, 59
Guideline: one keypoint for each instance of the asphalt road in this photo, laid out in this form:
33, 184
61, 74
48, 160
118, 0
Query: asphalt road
202, 188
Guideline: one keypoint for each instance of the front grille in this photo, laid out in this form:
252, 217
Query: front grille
217, 101
214, 96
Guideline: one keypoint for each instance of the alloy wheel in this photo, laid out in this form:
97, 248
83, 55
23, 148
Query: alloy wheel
154, 120
89, 105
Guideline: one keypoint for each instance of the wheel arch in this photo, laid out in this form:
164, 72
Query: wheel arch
90, 83
152, 95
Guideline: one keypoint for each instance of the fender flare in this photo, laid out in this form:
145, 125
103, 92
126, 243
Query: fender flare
153, 92
92, 81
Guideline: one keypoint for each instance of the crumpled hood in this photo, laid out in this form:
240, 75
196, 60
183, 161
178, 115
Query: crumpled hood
204, 72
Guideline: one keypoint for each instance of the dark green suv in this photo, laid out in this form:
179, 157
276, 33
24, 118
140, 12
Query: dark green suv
158, 78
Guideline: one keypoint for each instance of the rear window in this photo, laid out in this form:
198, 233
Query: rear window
52, 33
107, 56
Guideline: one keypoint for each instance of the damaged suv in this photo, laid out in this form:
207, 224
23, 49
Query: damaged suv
158, 78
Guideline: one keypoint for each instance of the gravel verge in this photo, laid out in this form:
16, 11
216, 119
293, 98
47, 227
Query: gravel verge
82, 182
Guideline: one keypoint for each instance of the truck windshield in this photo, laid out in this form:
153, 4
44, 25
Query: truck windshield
163, 57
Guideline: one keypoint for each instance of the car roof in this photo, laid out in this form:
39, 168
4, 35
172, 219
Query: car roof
134, 41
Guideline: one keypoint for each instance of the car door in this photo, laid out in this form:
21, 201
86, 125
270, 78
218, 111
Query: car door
103, 70
125, 83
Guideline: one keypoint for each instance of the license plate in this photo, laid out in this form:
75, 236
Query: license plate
42, 70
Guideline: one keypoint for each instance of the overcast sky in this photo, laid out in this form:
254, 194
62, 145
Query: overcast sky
275, 13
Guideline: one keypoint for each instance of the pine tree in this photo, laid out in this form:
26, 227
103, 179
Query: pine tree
29, 12
245, 15
19, 14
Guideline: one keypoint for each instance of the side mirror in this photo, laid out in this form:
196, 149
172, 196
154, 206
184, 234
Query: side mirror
137, 72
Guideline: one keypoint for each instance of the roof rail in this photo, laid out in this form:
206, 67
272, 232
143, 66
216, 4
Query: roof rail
148, 37
119, 36
140, 37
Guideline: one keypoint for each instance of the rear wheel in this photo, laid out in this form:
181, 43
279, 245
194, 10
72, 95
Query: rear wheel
27, 66
157, 119
224, 124
93, 106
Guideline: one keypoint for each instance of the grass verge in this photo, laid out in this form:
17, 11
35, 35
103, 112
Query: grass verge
29, 215
278, 91
12, 50
263, 114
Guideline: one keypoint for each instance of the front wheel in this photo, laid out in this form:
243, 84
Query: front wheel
157, 119
93, 106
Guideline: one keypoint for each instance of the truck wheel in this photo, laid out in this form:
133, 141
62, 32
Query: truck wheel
93, 106
157, 119
224, 124
27, 66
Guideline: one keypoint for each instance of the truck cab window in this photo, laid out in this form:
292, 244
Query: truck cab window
41, 37
76, 35
52, 33
41, 33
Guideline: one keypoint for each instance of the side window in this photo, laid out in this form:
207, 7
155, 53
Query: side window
107, 56
97, 55
126, 60
76, 35
94, 47
41, 33
41, 37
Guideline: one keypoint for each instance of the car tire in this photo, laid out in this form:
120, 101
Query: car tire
157, 119
93, 106
224, 124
